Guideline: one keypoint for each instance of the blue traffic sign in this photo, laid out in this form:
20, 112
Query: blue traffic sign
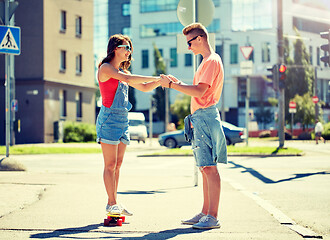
10, 40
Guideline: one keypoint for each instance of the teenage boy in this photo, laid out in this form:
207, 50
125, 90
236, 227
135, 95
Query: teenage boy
208, 140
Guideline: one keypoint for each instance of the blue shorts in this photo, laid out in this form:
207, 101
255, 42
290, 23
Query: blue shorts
209, 142
112, 126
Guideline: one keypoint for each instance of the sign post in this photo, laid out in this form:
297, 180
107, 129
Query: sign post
292, 110
9, 44
247, 69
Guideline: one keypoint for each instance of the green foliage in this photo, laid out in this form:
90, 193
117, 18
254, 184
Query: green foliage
79, 132
263, 116
159, 96
181, 108
326, 132
300, 75
305, 110
273, 101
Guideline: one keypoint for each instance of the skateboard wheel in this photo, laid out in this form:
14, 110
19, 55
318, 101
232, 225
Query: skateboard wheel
106, 222
123, 218
119, 222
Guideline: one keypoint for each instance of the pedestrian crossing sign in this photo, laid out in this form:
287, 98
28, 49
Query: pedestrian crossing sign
10, 40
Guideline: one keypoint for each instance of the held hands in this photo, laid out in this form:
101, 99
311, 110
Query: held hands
167, 80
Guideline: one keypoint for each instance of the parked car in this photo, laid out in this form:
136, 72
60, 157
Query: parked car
137, 128
176, 139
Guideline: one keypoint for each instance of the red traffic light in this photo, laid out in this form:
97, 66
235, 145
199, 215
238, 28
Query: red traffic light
282, 68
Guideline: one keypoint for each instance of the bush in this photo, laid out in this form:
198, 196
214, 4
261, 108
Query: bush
264, 134
326, 132
79, 132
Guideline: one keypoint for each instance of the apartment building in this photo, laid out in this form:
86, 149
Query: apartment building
235, 24
55, 70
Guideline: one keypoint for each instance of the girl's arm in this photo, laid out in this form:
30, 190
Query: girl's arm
145, 87
107, 71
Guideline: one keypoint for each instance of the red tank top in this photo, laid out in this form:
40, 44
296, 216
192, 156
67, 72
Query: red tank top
108, 91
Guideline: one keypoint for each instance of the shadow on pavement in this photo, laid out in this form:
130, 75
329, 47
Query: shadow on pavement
152, 191
70, 233
264, 179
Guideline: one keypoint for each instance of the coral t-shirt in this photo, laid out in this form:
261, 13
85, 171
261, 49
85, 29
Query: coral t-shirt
210, 72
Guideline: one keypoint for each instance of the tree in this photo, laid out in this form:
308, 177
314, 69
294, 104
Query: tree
159, 95
300, 72
181, 108
305, 110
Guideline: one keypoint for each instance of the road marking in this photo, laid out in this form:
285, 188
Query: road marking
276, 213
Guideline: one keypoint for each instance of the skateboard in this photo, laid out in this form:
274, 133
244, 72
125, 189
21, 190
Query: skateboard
114, 220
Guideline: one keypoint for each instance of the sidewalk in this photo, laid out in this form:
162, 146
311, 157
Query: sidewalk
63, 197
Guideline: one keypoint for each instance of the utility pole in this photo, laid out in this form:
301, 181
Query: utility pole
281, 97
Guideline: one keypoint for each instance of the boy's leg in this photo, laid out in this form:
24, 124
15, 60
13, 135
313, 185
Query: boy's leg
212, 189
206, 200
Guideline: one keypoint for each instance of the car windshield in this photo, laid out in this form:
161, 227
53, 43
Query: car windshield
136, 122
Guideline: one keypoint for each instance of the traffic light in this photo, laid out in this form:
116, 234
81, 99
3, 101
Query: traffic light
326, 48
281, 76
273, 76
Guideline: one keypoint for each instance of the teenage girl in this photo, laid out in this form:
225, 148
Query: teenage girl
112, 122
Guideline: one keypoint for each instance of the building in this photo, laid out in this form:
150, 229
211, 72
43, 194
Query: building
54, 72
236, 24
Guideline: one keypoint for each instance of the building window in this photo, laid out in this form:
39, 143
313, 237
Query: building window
156, 5
310, 54
79, 105
78, 26
174, 57
78, 64
63, 61
309, 25
318, 56
188, 60
63, 98
170, 29
126, 9
265, 52
145, 58
233, 53
251, 15
126, 31
219, 50
63, 22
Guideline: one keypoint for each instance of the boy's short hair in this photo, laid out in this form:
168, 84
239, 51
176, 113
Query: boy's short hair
196, 29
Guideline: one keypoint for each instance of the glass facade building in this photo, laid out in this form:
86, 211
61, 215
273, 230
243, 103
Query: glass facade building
251, 15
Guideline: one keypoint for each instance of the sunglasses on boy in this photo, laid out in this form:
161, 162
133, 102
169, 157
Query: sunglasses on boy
189, 42
127, 47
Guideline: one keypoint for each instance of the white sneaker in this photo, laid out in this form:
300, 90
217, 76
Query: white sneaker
207, 222
193, 220
113, 209
124, 211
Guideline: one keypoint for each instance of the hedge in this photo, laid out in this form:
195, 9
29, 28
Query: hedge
79, 132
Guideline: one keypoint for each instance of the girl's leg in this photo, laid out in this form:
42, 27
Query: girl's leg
110, 153
120, 157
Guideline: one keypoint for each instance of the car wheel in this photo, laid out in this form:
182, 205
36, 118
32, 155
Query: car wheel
227, 141
170, 143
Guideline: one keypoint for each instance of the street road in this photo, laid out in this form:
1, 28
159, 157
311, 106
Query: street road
72, 197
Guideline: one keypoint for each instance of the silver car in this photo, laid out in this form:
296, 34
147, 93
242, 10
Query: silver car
176, 139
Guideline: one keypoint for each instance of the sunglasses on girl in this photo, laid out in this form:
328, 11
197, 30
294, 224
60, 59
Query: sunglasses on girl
189, 42
127, 47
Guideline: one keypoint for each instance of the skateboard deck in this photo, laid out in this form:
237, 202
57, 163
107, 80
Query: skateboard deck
114, 220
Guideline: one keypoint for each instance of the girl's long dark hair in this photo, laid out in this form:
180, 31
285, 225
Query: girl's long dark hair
115, 41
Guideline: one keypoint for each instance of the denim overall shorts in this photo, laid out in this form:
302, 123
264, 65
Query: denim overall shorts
112, 123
